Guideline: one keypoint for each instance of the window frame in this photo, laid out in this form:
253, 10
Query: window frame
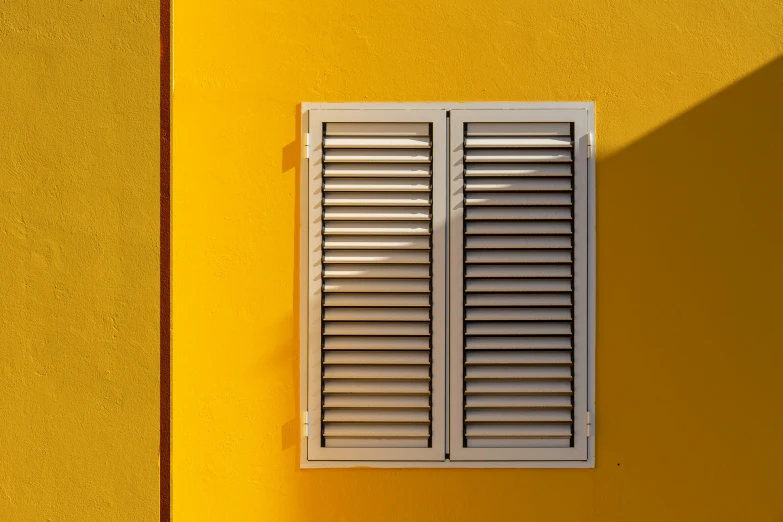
303, 181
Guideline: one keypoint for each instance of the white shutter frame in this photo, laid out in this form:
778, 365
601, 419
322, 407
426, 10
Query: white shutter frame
308, 144
315, 451
457, 449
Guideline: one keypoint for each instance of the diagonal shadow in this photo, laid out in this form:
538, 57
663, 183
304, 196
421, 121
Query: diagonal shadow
690, 258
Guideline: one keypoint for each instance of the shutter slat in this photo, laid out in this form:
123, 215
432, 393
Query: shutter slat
518, 343
377, 271
376, 199
473, 170
518, 227
375, 256
507, 142
375, 430
377, 285
518, 185
518, 155
472, 299
517, 372
500, 416
376, 314
402, 372
511, 242
375, 401
379, 142
375, 328
535, 430
381, 213
528, 442
509, 357
380, 185
372, 415
518, 401
506, 313
379, 387
474, 271
530, 387
377, 156
352, 442
518, 129
376, 343
509, 213
376, 357
345, 299
518, 285
518, 256
382, 242
377, 228
377, 170
377, 129
517, 198
517, 328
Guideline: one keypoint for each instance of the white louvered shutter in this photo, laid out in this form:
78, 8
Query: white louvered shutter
518, 284
376, 346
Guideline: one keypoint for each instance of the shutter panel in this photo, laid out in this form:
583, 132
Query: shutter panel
518, 283
376, 347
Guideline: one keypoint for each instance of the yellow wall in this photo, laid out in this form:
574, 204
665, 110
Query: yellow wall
690, 358
79, 260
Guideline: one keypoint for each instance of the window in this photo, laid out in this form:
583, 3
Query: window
447, 278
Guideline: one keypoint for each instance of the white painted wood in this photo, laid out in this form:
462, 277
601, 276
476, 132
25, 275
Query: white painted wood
518, 155
376, 285
516, 343
505, 329
518, 184
501, 344
375, 314
376, 142
528, 357
334, 342
376, 357
379, 213
378, 242
377, 228
378, 256
517, 213
372, 252
535, 227
474, 170
516, 142
513, 128
376, 156
507, 270
373, 129
381, 170
374, 184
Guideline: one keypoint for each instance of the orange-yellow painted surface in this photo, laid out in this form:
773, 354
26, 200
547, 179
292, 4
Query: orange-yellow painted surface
690, 356
79, 261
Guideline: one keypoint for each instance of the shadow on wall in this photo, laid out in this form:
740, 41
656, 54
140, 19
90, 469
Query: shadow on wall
690, 249
292, 159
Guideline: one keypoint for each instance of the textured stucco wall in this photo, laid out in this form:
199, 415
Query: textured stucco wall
689, 392
79, 260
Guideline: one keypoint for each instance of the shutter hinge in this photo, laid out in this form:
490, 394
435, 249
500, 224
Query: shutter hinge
307, 145
589, 424
307, 424
589, 144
